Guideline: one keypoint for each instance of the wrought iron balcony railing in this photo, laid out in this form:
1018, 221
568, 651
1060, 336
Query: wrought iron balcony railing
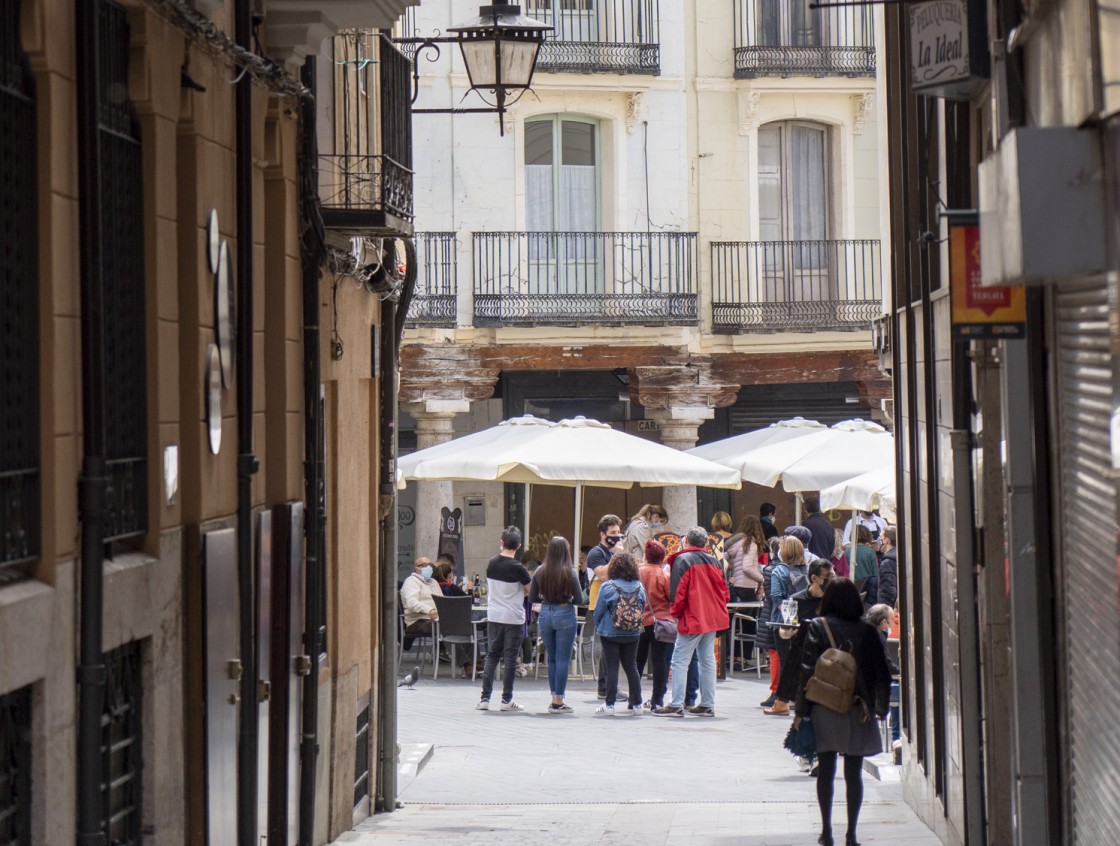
599, 36
365, 166
795, 285
787, 38
436, 296
584, 278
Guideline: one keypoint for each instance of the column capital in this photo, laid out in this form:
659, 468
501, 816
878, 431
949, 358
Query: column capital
685, 390
432, 374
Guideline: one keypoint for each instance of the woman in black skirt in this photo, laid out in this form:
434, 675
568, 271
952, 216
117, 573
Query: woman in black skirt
854, 734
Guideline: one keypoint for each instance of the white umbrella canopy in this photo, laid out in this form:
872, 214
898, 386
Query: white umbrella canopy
569, 453
823, 458
732, 452
868, 491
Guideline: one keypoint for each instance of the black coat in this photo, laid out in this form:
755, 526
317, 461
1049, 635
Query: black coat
807, 607
860, 638
888, 579
823, 539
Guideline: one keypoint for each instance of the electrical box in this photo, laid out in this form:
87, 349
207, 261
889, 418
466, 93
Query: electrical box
474, 510
1042, 207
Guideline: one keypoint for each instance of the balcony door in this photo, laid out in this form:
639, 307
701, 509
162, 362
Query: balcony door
787, 23
793, 195
562, 204
573, 20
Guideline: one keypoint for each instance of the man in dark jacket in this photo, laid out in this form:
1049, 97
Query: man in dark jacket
698, 598
808, 608
822, 537
888, 569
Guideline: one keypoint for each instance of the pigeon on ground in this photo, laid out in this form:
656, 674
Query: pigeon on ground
411, 679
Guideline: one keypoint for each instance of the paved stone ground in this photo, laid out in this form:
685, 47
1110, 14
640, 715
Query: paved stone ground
526, 778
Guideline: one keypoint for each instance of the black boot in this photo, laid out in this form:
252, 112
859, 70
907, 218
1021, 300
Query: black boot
850, 840
825, 840
768, 701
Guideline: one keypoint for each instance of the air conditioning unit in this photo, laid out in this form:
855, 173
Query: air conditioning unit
1042, 207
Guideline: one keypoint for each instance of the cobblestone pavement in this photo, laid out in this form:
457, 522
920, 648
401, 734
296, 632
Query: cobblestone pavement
527, 778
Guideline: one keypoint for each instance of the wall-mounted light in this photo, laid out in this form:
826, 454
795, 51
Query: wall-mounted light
499, 48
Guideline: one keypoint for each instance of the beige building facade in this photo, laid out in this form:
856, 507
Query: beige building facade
162, 301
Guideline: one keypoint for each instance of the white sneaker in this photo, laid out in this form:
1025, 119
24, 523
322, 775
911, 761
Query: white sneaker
606, 709
510, 706
630, 711
483, 705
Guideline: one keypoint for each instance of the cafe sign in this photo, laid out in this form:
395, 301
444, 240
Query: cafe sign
948, 57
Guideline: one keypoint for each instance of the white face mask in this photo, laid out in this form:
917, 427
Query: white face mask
425, 573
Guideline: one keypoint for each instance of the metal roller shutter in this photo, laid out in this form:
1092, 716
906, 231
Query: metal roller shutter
1089, 575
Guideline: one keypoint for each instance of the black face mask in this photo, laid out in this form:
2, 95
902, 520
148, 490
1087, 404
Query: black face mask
610, 541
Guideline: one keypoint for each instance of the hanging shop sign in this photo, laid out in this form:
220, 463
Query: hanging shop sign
948, 54
979, 311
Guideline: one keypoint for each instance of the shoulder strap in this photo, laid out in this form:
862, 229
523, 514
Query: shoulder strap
828, 631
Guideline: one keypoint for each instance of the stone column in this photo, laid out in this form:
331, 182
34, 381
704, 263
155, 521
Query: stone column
434, 419
680, 429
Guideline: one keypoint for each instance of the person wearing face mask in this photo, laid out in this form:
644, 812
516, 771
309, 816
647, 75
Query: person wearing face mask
766, 513
644, 527
598, 560
416, 599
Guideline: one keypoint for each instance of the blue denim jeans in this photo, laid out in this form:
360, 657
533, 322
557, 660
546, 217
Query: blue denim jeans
557, 627
683, 650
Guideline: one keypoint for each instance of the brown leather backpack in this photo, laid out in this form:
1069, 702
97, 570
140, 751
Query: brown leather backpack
833, 683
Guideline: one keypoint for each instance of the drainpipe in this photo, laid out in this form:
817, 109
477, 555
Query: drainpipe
313, 250
386, 798
247, 464
93, 482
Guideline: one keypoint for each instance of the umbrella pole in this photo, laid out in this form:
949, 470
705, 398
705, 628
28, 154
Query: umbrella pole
853, 546
797, 508
528, 508
578, 509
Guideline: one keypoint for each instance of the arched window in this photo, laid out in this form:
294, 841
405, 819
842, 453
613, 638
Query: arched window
561, 174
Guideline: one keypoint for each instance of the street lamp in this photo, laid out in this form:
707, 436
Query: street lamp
499, 48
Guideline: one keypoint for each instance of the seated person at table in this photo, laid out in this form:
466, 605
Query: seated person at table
416, 600
445, 577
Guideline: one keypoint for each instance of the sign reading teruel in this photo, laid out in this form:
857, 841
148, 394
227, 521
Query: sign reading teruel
947, 56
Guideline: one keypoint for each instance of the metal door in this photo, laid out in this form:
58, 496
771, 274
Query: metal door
223, 670
1090, 592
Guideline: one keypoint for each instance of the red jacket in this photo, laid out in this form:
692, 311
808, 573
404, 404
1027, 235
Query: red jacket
698, 592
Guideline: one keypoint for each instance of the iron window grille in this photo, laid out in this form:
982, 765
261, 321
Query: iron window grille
122, 747
19, 305
435, 300
123, 354
792, 286
365, 175
584, 278
361, 757
15, 768
788, 38
599, 36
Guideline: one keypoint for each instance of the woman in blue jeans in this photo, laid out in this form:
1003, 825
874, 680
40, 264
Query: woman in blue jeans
556, 587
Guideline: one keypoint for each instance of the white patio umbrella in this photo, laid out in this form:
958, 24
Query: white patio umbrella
731, 452
822, 458
868, 491
572, 453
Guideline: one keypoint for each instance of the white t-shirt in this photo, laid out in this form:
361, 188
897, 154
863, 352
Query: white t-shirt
505, 597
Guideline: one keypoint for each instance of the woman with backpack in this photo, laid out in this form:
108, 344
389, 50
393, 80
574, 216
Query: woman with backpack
618, 622
846, 726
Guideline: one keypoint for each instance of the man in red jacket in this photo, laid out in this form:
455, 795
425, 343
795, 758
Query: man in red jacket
698, 597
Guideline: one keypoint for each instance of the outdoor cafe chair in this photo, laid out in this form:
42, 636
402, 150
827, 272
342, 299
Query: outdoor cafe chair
454, 627
425, 640
744, 629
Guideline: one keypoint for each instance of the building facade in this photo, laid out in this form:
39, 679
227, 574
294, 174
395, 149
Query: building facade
187, 521
1003, 344
678, 233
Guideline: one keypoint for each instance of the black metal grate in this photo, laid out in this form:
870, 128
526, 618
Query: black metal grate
788, 38
124, 355
795, 285
435, 299
584, 278
611, 36
19, 304
121, 747
15, 768
361, 757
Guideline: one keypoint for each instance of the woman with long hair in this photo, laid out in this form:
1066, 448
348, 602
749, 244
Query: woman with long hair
619, 632
790, 576
556, 587
853, 734
655, 580
746, 550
